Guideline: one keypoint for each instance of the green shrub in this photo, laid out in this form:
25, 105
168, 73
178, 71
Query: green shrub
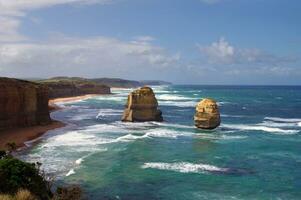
16, 174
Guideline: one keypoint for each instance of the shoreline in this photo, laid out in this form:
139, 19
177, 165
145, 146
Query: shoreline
22, 135
71, 99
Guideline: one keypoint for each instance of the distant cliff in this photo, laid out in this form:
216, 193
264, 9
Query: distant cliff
122, 83
118, 83
73, 86
22, 103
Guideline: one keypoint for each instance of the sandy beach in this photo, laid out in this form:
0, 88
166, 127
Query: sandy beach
70, 99
21, 135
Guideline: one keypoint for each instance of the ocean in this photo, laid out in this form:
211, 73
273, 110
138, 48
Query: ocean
254, 154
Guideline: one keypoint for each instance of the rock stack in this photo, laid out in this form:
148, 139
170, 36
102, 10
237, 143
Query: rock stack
22, 103
207, 115
142, 106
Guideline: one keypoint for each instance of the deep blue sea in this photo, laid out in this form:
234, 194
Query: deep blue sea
254, 154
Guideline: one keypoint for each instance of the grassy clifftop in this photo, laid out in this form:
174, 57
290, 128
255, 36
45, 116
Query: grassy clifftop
73, 86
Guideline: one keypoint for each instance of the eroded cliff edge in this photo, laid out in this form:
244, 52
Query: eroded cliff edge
23, 104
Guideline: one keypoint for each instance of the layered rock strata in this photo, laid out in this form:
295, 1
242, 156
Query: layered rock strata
207, 114
142, 106
22, 104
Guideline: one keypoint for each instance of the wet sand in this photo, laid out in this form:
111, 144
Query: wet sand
21, 135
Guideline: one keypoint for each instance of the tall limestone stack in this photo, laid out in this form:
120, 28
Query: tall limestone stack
142, 106
207, 115
22, 104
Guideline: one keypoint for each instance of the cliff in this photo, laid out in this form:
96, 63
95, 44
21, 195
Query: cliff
118, 83
122, 83
142, 106
22, 104
74, 86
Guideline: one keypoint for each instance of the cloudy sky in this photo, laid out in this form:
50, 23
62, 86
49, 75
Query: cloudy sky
183, 41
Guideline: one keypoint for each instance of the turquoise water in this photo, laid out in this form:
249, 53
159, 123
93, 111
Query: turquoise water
254, 154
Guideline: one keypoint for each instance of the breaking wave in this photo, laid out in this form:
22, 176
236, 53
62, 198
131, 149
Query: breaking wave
70, 172
274, 130
278, 119
184, 167
178, 103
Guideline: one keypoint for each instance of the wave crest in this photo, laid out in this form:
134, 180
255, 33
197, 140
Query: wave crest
184, 167
274, 130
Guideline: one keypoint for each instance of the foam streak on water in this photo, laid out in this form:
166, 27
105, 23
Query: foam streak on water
272, 130
184, 167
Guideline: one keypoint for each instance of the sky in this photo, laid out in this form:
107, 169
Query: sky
245, 42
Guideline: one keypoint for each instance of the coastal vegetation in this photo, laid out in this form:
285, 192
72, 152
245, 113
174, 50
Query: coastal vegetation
26, 181
18, 177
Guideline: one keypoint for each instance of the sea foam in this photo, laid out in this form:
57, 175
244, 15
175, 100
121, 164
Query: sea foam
70, 172
178, 103
278, 119
184, 167
277, 124
172, 97
258, 128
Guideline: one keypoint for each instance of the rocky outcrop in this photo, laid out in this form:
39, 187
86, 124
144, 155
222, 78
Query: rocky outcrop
70, 87
22, 104
207, 115
142, 106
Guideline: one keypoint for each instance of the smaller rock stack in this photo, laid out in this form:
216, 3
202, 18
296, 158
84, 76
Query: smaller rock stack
142, 106
207, 115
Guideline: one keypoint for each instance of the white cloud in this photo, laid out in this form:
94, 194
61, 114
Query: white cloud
9, 30
219, 52
12, 11
222, 52
18, 7
97, 56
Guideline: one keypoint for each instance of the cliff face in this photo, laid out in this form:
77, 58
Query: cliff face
142, 106
22, 104
207, 114
69, 87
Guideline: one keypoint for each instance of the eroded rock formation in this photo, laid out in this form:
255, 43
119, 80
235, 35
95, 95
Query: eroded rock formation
22, 103
207, 114
142, 106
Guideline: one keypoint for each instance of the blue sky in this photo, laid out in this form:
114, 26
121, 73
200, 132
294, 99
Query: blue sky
183, 41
